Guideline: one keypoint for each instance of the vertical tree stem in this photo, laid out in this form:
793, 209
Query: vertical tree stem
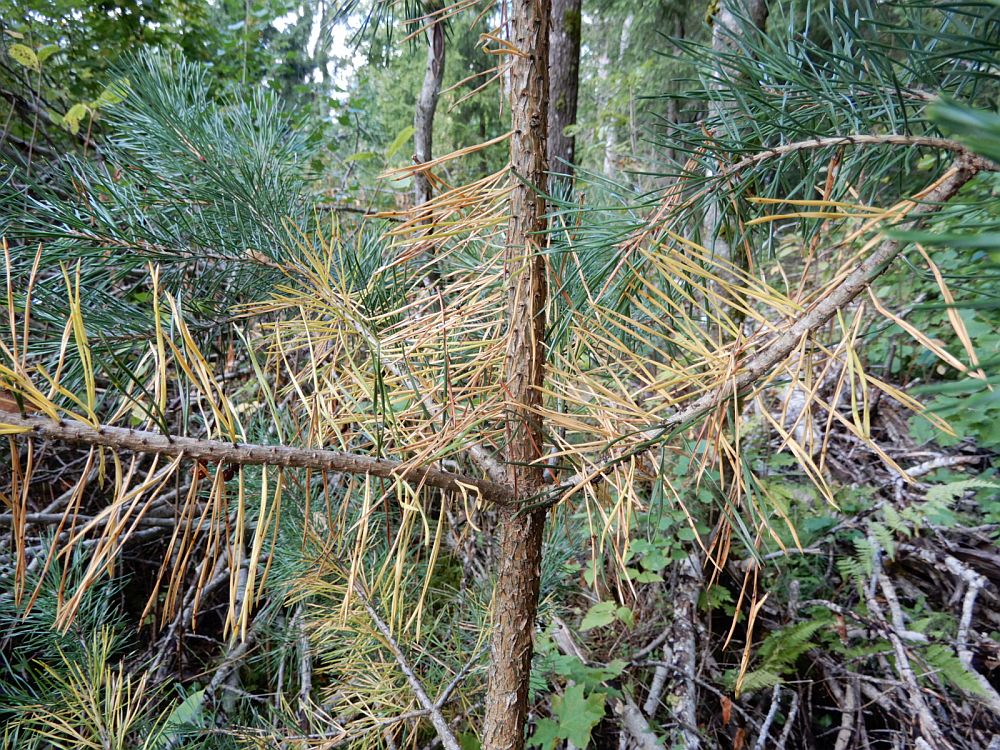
423, 116
564, 84
515, 600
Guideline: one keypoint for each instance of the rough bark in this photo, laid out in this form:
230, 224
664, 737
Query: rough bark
564, 82
515, 599
423, 118
680, 650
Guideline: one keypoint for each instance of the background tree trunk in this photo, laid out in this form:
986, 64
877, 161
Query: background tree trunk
673, 109
423, 118
608, 132
515, 600
727, 30
564, 83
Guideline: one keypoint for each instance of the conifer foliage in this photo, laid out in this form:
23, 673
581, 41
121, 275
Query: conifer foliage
525, 461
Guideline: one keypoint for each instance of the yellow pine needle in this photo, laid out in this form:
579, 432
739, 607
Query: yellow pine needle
957, 324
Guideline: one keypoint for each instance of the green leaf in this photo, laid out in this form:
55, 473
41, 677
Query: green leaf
546, 734
361, 156
25, 56
978, 129
399, 141
647, 576
187, 713
46, 51
601, 614
625, 615
655, 561
591, 573
578, 714
759, 679
944, 662
948, 493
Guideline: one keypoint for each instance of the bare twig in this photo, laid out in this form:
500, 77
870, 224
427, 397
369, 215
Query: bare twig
656, 686
793, 710
888, 139
765, 728
305, 666
974, 583
848, 715
928, 724
940, 463
681, 649
433, 710
462, 674
217, 451
648, 648
636, 724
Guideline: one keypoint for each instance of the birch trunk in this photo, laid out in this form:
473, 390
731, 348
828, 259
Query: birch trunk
515, 600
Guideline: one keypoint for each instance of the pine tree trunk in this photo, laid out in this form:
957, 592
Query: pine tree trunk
564, 84
515, 600
423, 118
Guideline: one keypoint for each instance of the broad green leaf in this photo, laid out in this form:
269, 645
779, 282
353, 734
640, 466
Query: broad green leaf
361, 156
976, 128
546, 734
578, 714
399, 141
685, 534
46, 51
647, 576
655, 561
625, 615
591, 573
25, 56
186, 714
601, 614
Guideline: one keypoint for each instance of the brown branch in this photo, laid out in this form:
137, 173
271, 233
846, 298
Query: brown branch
772, 351
890, 139
782, 344
247, 454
